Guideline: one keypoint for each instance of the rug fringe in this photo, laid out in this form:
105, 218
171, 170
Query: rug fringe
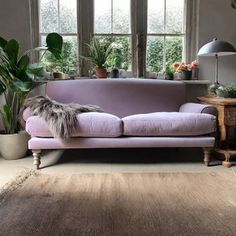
15, 183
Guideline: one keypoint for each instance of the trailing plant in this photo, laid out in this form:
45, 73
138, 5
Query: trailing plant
17, 74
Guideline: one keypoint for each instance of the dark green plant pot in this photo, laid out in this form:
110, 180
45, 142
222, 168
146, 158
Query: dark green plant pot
114, 73
186, 75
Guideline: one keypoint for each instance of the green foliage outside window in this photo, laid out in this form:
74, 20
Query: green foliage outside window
120, 57
155, 52
67, 64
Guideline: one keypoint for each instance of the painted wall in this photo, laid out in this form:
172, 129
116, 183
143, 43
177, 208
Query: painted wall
15, 21
217, 19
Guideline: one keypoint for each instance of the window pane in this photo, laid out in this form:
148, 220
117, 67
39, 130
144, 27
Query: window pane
174, 16
121, 16
48, 16
156, 16
102, 16
155, 53
174, 48
68, 18
121, 53
69, 62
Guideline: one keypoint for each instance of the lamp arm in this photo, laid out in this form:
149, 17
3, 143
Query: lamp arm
216, 69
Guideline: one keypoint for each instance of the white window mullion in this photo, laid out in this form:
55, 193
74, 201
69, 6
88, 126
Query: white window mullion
164, 39
133, 13
164, 52
164, 31
58, 16
112, 16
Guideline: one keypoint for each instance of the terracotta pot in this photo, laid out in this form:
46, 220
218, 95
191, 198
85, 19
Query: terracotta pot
101, 73
58, 75
14, 146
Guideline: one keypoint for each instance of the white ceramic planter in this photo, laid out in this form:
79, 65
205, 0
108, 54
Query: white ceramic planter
14, 146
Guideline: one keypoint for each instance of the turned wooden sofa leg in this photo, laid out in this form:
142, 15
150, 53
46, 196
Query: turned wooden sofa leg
207, 155
36, 155
226, 163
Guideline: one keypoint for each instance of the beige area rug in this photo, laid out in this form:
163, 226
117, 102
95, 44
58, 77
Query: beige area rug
121, 204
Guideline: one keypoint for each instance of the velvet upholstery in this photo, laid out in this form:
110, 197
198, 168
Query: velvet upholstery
169, 124
91, 124
121, 142
198, 108
122, 98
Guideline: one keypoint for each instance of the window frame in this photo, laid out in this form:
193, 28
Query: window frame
128, 35
165, 35
85, 16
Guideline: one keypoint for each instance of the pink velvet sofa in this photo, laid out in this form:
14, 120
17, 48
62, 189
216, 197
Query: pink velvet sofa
138, 113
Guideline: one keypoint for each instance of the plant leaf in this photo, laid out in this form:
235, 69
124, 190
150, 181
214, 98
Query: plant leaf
3, 42
7, 117
35, 69
23, 62
12, 50
22, 86
2, 88
54, 43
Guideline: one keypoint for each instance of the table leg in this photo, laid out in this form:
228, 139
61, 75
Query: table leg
226, 163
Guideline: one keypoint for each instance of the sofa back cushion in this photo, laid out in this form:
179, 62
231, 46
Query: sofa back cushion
121, 97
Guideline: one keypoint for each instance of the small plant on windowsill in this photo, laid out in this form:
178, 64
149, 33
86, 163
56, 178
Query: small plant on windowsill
169, 72
185, 70
99, 52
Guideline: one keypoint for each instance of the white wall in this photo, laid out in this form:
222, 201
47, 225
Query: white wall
217, 19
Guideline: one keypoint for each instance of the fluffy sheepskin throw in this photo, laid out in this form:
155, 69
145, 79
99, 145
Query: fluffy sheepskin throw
61, 118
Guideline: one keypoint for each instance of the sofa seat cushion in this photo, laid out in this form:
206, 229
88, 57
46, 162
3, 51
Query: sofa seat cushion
169, 124
90, 124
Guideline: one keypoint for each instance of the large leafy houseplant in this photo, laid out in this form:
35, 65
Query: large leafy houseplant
17, 76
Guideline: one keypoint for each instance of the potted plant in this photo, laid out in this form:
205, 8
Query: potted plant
228, 91
169, 72
185, 69
99, 51
16, 81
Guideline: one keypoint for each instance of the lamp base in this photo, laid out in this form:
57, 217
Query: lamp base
213, 87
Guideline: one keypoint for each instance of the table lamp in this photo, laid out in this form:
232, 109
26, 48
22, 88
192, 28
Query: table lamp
216, 48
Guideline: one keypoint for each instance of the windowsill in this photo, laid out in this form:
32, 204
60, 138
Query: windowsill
197, 81
192, 81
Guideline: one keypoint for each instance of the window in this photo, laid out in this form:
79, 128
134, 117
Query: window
60, 16
112, 23
147, 34
165, 33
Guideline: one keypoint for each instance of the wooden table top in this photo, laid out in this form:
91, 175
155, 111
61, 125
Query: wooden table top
217, 100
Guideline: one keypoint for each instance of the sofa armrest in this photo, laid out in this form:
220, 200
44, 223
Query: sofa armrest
24, 115
198, 108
